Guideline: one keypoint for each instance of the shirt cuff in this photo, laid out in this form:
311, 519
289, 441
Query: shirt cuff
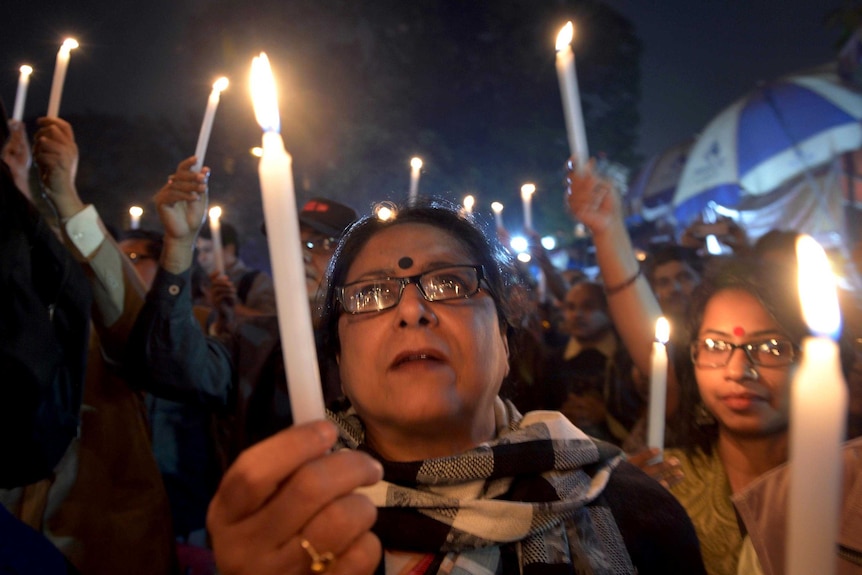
84, 231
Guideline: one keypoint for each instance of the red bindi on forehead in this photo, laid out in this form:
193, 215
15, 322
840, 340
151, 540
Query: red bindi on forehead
739, 331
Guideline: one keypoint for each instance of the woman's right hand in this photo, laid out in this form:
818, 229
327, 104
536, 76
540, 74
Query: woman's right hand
288, 489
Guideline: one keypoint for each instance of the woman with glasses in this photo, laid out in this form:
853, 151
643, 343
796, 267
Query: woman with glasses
427, 462
731, 420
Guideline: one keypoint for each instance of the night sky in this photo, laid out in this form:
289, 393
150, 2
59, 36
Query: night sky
698, 56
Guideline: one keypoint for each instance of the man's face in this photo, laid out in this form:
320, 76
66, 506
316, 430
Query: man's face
317, 250
673, 283
205, 255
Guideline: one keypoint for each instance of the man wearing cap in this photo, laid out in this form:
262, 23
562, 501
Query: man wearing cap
321, 223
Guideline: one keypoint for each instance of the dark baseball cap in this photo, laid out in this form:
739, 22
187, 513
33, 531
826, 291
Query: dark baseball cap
327, 216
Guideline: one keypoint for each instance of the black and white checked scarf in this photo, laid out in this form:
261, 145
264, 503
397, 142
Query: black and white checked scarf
527, 502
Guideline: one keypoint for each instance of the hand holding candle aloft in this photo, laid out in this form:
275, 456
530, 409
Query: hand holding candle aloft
497, 208
60, 76
288, 268
215, 232
135, 213
568, 79
818, 411
415, 171
21, 93
207, 125
527, 191
658, 387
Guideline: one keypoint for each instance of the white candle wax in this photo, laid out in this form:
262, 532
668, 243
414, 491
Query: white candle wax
21, 93
215, 233
135, 213
415, 171
568, 78
207, 125
527, 199
288, 268
497, 208
60, 76
658, 386
818, 411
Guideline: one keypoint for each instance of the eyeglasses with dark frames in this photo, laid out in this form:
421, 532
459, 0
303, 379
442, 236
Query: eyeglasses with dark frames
441, 284
710, 352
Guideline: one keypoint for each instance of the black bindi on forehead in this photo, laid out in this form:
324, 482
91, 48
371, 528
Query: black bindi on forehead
405, 263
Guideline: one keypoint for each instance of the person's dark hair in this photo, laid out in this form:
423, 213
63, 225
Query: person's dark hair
664, 253
743, 273
154, 240
500, 277
229, 235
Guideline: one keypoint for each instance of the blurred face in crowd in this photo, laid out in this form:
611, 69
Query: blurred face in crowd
205, 255
317, 250
585, 316
746, 399
673, 283
421, 369
146, 263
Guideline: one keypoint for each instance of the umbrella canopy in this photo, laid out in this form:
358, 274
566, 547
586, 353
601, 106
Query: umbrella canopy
652, 192
777, 132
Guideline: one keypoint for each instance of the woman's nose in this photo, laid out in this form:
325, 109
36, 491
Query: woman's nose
414, 309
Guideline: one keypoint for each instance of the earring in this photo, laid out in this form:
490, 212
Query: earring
702, 416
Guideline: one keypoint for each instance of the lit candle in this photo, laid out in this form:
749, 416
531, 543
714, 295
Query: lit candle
469, 202
571, 97
527, 191
288, 268
497, 208
215, 233
415, 170
135, 213
658, 386
818, 411
21, 94
207, 125
60, 76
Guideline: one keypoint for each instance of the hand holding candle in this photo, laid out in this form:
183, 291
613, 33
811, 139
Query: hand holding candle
568, 78
207, 125
527, 191
818, 412
415, 171
288, 268
658, 386
21, 93
215, 232
60, 76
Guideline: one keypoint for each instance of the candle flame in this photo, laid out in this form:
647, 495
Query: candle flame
221, 85
662, 330
817, 290
385, 211
416, 163
469, 202
256, 151
26, 70
68, 45
527, 190
564, 38
264, 94
497, 207
215, 212
136, 211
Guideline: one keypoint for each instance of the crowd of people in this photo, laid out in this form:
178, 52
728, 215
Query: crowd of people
474, 424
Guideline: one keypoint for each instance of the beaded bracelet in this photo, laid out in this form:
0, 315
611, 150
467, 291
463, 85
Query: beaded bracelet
611, 290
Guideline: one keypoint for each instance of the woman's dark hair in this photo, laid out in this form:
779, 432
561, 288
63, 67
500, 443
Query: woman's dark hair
500, 279
780, 300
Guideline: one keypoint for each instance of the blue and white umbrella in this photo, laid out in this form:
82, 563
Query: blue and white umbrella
777, 132
651, 194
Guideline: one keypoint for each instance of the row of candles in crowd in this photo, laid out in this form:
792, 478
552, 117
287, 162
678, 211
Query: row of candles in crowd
818, 392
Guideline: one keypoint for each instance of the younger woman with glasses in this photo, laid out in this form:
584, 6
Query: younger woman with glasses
745, 327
